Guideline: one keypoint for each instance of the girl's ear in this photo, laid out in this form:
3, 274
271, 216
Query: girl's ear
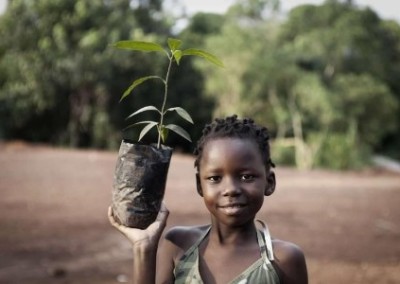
271, 183
198, 185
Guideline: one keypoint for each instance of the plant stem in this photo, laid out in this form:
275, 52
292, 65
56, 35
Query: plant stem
164, 101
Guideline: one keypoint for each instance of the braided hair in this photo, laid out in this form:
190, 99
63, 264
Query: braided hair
232, 127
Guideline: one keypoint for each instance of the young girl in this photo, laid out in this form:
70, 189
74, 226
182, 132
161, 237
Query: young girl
233, 176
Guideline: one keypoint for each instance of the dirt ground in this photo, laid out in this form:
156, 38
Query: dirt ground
53, 225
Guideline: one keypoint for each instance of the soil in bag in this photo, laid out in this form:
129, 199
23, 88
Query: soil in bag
139, 183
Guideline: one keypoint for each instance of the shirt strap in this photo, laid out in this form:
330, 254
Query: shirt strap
267, 240
195, 245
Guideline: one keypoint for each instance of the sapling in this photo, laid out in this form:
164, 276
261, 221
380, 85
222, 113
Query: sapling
141, 170
174, 54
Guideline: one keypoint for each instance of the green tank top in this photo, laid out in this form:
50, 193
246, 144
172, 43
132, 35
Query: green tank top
260, 272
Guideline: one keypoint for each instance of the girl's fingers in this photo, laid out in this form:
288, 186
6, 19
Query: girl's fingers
163, 207
161, 221
111, 217
157, 226
112, 220
163, 213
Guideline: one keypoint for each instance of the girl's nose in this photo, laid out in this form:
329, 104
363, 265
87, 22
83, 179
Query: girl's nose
231, 187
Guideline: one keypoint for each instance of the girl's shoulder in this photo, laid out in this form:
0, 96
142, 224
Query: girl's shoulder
185, 236
289, 261
175, 243
286, 250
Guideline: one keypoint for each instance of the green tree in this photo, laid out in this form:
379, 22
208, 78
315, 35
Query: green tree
352, 52
320, 78
244, 34
57, 69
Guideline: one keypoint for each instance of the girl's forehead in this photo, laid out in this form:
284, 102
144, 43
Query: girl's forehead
222, 148
226, 142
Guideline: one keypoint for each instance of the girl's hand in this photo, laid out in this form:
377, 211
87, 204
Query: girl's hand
147, 238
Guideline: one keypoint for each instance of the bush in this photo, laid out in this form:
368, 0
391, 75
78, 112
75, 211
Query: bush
283, 153
339, 152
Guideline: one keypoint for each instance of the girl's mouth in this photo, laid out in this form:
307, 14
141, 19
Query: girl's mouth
232, 209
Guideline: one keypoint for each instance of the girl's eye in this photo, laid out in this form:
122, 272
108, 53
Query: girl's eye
247, 177
214, 178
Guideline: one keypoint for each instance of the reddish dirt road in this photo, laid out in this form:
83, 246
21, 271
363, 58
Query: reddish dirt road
53, 226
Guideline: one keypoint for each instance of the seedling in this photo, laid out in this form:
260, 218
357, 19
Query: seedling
174, 54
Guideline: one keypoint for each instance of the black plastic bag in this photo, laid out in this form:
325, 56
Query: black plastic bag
139, 183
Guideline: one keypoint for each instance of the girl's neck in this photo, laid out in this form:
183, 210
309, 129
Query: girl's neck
224, 235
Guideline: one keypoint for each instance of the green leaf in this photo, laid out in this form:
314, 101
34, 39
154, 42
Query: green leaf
204, 54
174, 43
150, 125
182, 112
164, 133
139, 45
177, 55
140, 122
179, 130
147, 129
136, 83
142, 110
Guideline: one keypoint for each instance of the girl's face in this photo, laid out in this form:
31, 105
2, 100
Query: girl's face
233, 180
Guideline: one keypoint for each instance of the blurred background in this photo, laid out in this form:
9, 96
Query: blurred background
322, 75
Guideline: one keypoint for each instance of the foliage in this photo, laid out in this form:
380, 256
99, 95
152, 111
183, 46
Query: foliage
174, 54
322, 77
349, 49
56, 69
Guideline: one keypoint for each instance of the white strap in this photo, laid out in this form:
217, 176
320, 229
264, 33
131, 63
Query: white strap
267, 239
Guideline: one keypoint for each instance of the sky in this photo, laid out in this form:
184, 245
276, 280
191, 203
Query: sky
387, 9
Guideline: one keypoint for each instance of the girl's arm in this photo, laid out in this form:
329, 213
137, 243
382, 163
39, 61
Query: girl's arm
290, 263
144, 246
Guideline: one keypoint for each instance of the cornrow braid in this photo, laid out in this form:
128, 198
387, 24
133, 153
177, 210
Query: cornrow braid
233, 127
